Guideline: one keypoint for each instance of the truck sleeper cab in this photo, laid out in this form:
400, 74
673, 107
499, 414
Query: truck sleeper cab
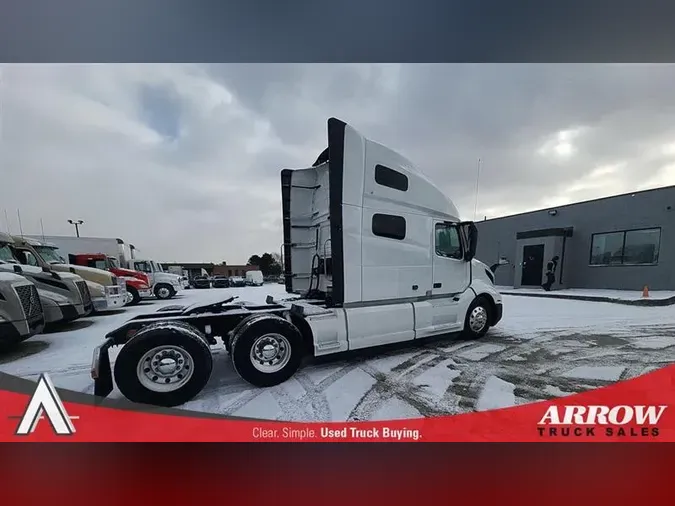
65, 297
107, 292
374, 253
21, 314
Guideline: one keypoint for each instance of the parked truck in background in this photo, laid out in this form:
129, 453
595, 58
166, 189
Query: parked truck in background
164, 284
254, 278
108, 254
137, 283
180, 272
64, 296
21, 314
109, 246
107, 292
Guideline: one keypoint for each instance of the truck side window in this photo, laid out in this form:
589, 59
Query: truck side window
447, 241
143, 267
389, 225
390, 178
30, 259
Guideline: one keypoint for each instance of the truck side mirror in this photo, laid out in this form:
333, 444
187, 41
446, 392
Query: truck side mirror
470, 234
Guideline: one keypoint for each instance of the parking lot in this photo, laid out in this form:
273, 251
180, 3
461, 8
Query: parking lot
543, 348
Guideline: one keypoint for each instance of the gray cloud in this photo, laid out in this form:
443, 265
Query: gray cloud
183, 160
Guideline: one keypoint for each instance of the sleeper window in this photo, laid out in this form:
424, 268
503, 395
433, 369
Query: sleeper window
389, 226
391, 178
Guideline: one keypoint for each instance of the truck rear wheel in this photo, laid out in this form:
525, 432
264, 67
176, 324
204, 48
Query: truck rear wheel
266, 350
477, 320
164, 364
164, 292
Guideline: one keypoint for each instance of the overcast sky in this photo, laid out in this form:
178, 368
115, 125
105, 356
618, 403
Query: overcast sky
183, 161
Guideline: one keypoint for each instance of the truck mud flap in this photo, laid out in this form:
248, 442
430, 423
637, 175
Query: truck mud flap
101, 371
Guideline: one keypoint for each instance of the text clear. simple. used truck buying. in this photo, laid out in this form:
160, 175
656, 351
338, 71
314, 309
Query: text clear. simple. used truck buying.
377, 255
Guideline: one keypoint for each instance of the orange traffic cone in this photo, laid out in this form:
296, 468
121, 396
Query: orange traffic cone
645, 292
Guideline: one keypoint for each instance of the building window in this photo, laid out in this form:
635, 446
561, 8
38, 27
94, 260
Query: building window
447, 241
630, 247
389, 226
390, 178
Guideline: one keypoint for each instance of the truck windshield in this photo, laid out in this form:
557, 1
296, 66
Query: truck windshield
98, 264
6, 254
156, 267
50, 255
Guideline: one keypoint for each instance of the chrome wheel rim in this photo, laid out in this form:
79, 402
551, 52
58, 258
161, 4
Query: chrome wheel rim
165, 368
270, 353
478, 319
163, 293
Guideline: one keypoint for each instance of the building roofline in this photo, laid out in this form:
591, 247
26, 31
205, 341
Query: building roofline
660, 188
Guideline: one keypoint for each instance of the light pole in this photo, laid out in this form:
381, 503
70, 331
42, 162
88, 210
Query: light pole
77, 224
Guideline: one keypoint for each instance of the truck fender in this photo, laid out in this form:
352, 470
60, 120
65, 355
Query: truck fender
227, 340
488, 297
184, 327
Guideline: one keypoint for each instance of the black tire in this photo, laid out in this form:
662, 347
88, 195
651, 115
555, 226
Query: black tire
134, 293
177, 334
227, 340
244, 339
471, 332
158, 290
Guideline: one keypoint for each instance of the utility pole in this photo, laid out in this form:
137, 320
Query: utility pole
77, 224
475, 208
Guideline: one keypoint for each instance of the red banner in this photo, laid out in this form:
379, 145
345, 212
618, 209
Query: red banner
637, 410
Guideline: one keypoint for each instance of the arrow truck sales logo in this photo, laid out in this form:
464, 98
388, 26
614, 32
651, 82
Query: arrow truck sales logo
589, 421
46, 402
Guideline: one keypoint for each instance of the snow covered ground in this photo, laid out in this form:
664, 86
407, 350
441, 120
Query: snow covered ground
543, 348
612, 294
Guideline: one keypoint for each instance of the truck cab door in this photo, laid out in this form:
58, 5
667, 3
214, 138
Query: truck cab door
144, 267
450, 275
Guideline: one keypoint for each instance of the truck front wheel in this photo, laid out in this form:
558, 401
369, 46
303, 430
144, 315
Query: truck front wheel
164, 364
164, 292
135, 297
477, 320
266, 351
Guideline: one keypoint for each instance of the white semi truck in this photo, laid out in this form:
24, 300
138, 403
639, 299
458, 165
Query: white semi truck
64, 296
107, 291
375, 254
21, 314
164, 284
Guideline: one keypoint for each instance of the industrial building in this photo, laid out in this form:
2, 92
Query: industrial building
622, 242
